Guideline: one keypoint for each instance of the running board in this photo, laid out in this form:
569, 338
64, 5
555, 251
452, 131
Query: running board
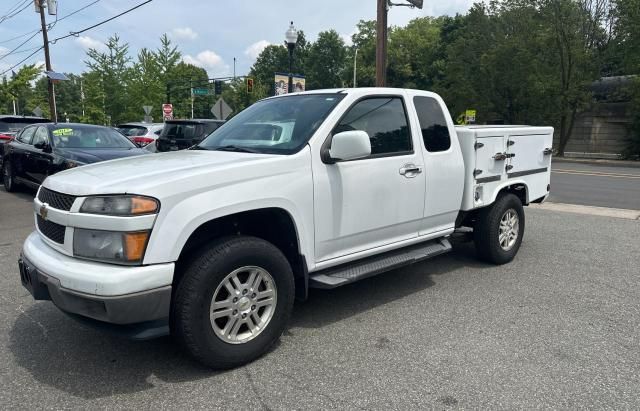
368, 267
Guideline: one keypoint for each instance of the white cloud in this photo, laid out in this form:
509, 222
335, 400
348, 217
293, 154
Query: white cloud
254, 50
209, 61
347, 38
3, 51
87, 43
184, 33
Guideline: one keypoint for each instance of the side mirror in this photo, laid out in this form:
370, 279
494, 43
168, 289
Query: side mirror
350, 145
42, 146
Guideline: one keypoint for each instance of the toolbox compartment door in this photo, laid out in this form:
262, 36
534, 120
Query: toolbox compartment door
528, 154
487, 167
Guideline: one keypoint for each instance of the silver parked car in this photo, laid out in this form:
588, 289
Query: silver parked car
141, 134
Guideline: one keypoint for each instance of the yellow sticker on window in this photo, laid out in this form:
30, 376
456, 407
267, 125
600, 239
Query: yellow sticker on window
63, 132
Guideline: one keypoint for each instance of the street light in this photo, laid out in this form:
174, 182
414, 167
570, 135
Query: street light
291, 38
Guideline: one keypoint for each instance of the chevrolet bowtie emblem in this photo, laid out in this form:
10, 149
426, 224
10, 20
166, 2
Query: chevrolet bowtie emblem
43, 211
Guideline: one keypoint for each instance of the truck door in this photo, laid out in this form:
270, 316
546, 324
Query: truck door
444, 166
375, 201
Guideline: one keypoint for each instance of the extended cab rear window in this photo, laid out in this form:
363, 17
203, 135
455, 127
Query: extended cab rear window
433, 124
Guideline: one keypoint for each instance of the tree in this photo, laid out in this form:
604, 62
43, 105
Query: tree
18, 89
114, 71
575, 41
326, 61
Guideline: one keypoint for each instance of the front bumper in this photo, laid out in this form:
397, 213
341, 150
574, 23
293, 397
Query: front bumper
104, 292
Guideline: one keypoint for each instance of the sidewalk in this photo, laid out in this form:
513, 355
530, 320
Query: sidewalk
602, 162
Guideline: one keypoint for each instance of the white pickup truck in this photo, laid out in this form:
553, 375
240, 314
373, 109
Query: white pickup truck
308, 190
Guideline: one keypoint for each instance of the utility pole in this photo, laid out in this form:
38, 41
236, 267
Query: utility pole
355, 72
381, 44
47, 62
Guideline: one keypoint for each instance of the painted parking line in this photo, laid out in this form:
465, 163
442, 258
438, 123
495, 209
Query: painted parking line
589, 210
596, 173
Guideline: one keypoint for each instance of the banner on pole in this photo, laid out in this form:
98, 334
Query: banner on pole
298, 83
281, 84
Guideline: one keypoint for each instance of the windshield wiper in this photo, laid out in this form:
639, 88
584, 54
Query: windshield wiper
237, 149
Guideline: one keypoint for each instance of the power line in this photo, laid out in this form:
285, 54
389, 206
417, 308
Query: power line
15, 7
21, 61
76, 33
7, 17
18, 37
77, 11
50, 26
21, 44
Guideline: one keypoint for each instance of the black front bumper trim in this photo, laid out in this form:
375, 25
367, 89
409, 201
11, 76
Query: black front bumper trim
133, 308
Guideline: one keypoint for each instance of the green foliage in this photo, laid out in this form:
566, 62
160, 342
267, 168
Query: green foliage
514, 61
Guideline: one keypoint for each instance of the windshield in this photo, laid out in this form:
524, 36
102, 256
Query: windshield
132, 131
79, 136
277, 126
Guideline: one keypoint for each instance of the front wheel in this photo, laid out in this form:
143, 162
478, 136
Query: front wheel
499, 230
233, 302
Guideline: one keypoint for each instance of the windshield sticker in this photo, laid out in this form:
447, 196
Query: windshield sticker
63, 132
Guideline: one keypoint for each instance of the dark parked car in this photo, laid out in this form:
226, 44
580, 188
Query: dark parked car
10, 125
182, 134
40, 150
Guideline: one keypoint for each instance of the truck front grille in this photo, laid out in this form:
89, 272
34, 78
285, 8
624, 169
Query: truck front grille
51, 230
55, 199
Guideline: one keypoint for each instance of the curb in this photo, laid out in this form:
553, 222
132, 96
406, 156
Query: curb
589, 210
597, 162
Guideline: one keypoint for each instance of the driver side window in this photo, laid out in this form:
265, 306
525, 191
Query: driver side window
41, 136
385, 120
26, 135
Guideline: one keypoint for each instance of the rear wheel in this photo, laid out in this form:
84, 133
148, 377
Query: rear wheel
233, 302
499, 230
8, 178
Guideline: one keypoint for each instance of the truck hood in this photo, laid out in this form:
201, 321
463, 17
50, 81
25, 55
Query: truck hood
151, 174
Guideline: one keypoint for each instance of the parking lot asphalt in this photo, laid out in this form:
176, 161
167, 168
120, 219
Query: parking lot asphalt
557, 328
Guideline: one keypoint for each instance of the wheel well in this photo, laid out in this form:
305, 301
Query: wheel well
469, 218
274, 225
519, 189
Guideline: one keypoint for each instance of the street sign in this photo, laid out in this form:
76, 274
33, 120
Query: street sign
200, 91
167, 111
37, 112
221, 109
147, 109
249, 85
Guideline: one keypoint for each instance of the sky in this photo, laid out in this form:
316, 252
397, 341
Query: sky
209, 33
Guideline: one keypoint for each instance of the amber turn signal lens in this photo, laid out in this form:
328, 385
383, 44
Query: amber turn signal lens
134, 245
143, 205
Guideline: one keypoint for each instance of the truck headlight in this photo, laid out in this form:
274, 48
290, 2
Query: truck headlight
125, 205
110, 246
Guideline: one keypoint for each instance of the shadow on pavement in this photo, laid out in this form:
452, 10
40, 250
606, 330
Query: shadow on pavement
59, 352
325, 307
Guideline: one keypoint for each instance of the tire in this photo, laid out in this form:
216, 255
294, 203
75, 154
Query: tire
206, 278
491, 245
8, 179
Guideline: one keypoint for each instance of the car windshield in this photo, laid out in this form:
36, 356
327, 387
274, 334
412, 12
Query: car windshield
79, 136
132, 131
277, 126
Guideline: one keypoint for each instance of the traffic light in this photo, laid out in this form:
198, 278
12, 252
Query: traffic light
249, 85
218, 87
